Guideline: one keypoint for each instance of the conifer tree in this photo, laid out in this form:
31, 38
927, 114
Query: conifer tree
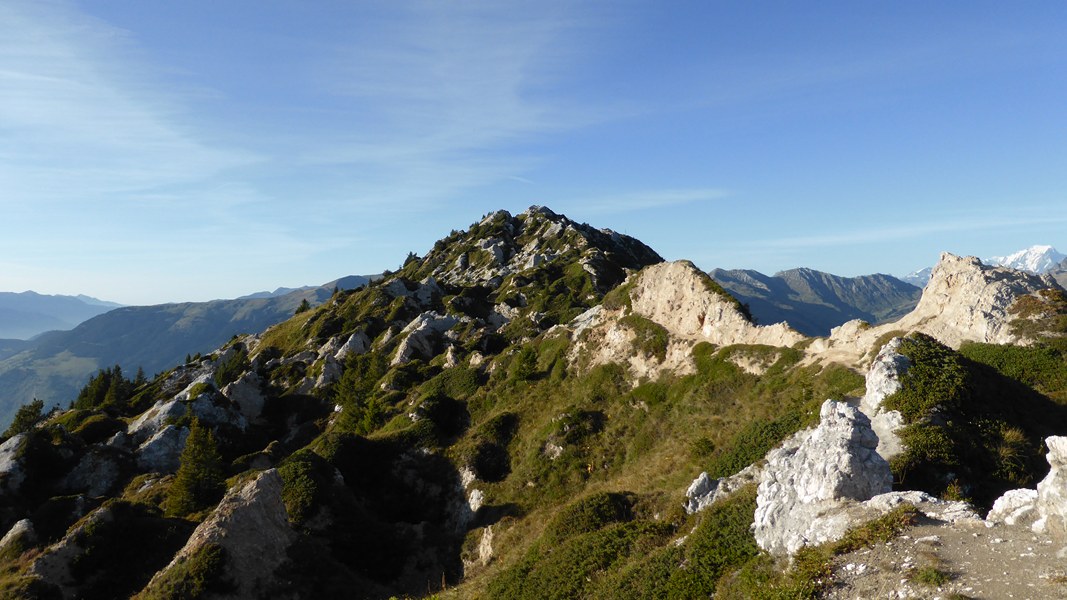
200, 480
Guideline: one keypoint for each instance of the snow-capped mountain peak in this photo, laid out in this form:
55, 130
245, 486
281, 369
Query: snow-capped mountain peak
918, 278
1035, 259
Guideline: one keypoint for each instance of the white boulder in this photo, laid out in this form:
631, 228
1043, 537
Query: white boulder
806, 484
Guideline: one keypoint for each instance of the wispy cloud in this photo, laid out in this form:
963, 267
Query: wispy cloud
918, 229
646, 200
441, 98
78, 113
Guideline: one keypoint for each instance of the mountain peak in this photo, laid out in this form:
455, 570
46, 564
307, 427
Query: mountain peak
1036, 259
502, 245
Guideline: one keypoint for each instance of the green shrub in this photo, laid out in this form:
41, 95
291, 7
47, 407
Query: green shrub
194, 576
752, 442
234, 366
306, 481
589, 514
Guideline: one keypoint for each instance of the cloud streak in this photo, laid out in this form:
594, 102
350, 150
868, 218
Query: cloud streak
77, 113
647, 200
934, 226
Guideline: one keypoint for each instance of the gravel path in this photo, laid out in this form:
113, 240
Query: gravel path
978, 561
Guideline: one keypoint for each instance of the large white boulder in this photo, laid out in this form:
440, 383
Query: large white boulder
1051, 502
809, 482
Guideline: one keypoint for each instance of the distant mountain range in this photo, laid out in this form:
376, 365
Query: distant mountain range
813, 302
1037, 259
56, 364
26, 314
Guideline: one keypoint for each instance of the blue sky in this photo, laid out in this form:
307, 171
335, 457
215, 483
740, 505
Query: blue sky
191, 150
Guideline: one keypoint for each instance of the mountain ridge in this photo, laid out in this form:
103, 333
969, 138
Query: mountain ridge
523, 409
814, 302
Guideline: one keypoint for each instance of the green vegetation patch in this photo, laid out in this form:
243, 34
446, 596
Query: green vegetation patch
194, 576
651, 337
973, 428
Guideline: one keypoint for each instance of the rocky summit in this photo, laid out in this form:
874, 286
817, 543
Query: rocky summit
537, 408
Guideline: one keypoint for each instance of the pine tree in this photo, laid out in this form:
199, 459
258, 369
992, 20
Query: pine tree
200, 480
304, 306
26, 417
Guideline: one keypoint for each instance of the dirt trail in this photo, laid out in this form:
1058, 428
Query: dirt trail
990, 563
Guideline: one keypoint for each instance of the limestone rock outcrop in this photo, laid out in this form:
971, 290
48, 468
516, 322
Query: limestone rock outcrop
809, 481
12, 473
1014, 507
705, 491
883, 380
423, 336
161, 452
1051, 502
963, 301
678, 296
686, 303
251, 526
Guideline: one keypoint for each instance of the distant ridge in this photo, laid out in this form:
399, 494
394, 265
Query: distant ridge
54, 365
813, 302
24, 315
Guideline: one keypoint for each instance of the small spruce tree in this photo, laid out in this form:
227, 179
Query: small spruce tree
304, 306
200, 479
27, 416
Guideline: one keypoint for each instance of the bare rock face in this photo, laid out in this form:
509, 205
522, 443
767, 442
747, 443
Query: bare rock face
21, 533
96, 473
54, 564
883, 380
1051, 502
808, 484
357, 343
247, 394
12, 473
705, 491
161, 452
211, 407
964, 301
682, 300
423, 334
677, 296
1043, 509
251, 526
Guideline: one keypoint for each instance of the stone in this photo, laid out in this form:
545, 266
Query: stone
21, 533
55, 564
1051, 501
809, 481
247, 393
161, 452
946, 511
95, 474
883, 380
705, 491
1014, 507
252, 527
357, 343
12, 471
423, 334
